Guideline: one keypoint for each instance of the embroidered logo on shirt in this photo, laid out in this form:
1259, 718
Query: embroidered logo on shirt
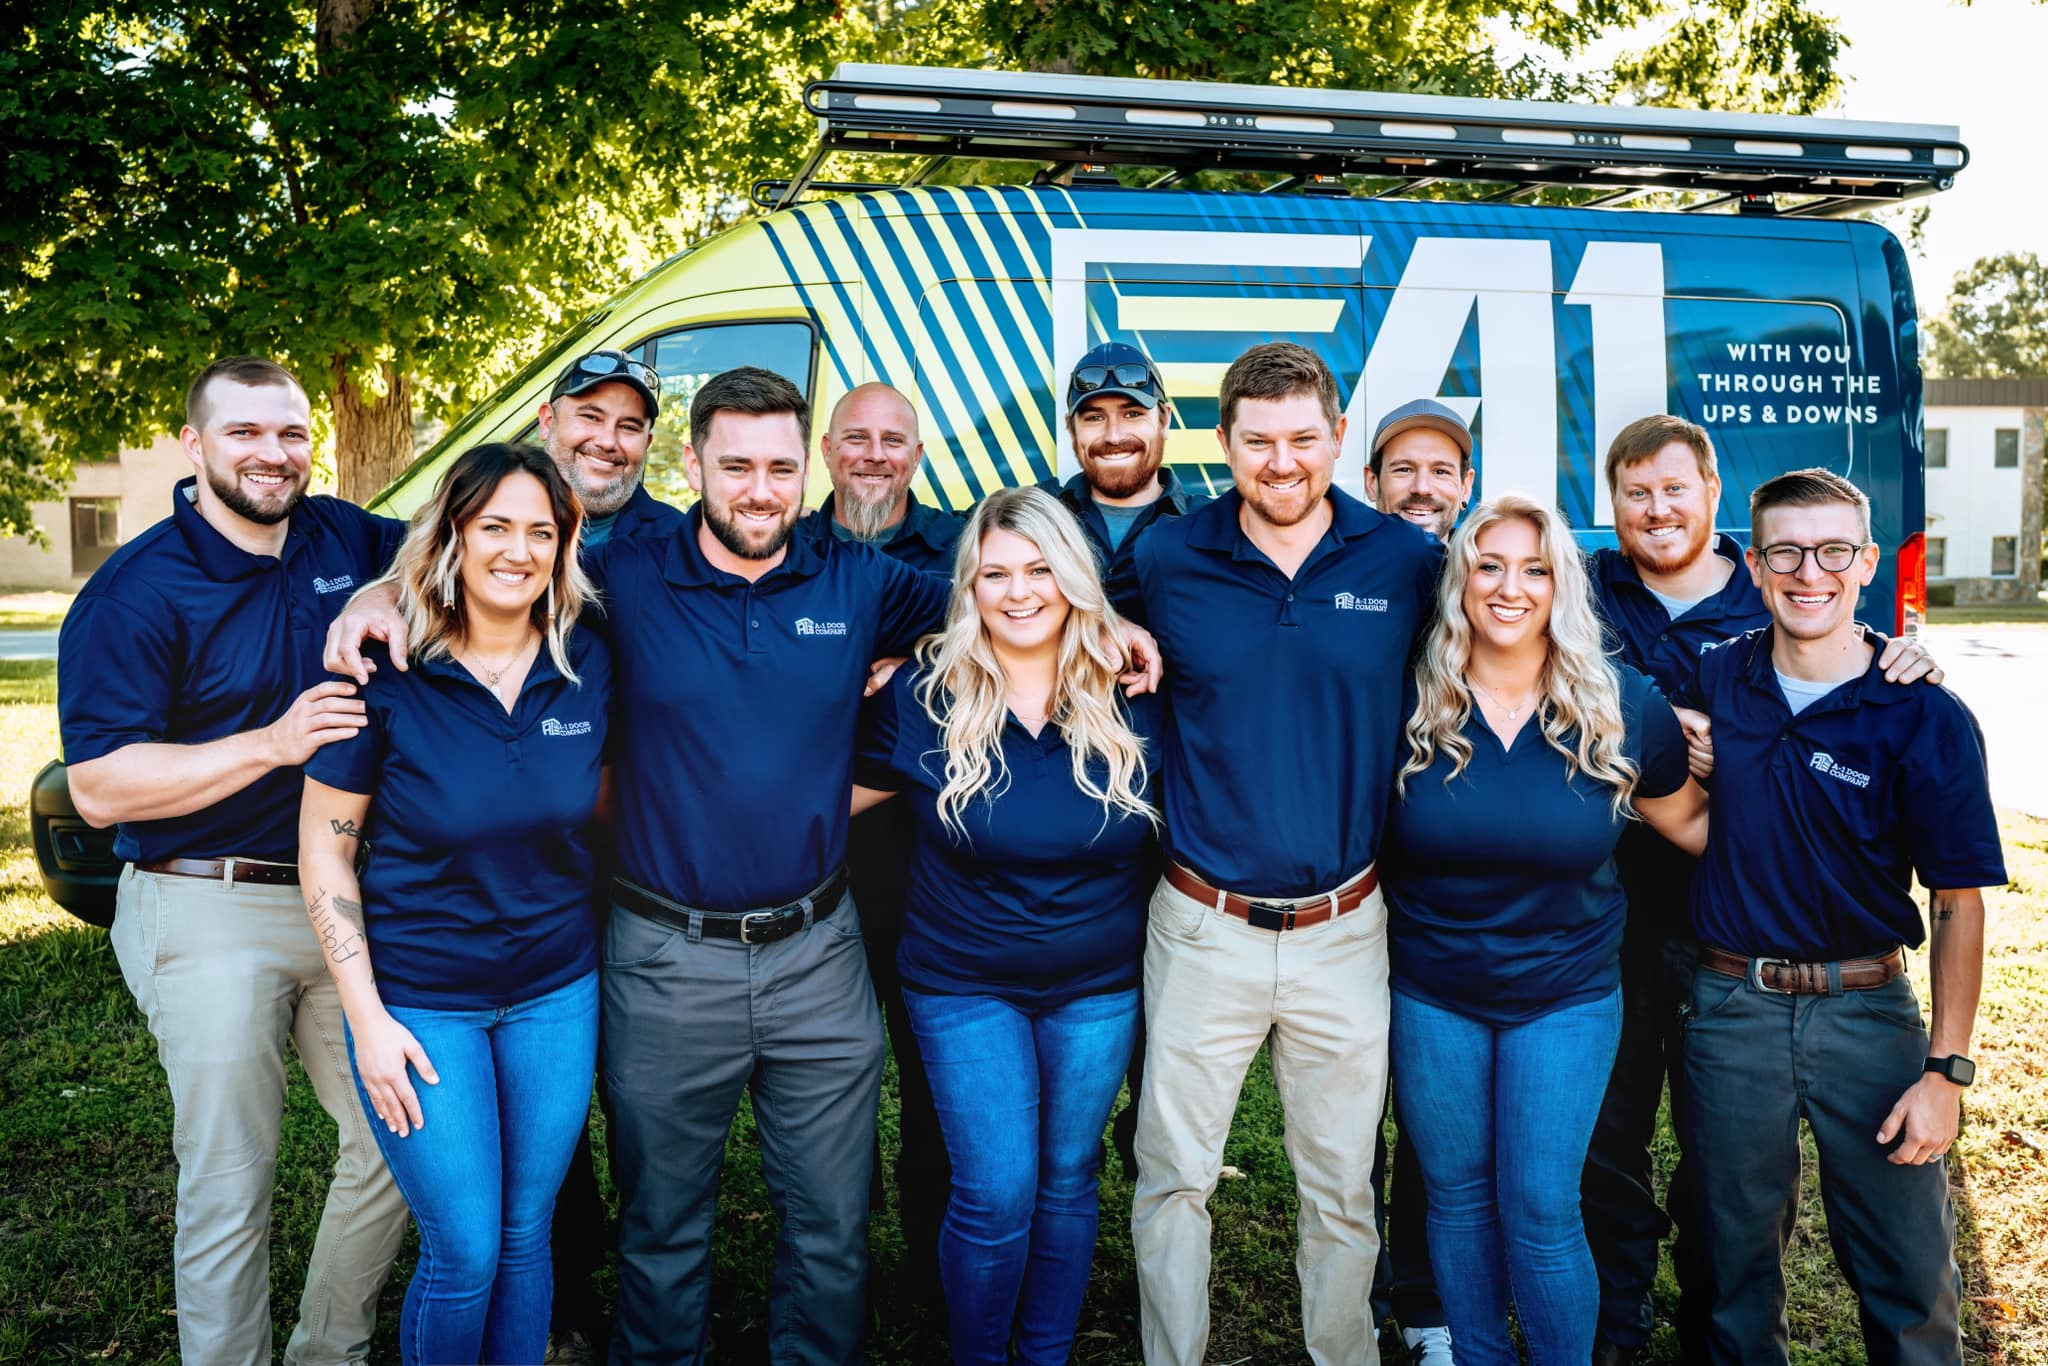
1825, 763
553, 727
806, 627
1351, 602
334, 585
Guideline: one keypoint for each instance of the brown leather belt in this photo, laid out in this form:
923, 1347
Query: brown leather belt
1790, 978
227, 870
1293, 914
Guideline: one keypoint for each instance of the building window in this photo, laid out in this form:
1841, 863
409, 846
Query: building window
1937, 557
95, 532
2005, 554
1937, 448
2005, 448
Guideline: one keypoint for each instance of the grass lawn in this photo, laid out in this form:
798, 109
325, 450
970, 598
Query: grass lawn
33, 607
1999, 614
86, 1176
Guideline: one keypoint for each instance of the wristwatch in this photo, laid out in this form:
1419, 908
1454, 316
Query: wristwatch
1955, 1067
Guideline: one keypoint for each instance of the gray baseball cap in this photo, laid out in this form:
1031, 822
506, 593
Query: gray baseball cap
1422, 412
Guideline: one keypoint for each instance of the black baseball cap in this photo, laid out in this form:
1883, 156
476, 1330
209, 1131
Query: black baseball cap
1115, 368
588, 371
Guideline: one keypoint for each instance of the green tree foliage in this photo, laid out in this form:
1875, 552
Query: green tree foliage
30, 473
1996, 322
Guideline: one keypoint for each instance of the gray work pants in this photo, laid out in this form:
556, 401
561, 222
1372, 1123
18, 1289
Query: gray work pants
1757, 1063
689, 1024
223, 974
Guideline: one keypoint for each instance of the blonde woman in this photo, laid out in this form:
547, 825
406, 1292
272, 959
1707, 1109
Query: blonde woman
475, 1038
1529, 751
1031, 779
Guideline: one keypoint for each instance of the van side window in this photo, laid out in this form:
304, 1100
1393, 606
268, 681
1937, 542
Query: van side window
688, 357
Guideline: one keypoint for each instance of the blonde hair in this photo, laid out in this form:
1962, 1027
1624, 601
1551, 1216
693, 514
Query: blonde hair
1579, 707
966, 693
427, 568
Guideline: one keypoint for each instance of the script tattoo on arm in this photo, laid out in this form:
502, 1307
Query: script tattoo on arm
339, 924
347, 829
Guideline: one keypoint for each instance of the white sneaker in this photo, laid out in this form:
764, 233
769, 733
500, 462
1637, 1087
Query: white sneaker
1428, 1346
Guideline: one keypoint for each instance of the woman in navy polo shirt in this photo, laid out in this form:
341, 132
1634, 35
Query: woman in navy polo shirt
1031, 777
1528, 752
471, 787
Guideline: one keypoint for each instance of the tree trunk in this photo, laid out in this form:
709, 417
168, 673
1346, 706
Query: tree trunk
372, 432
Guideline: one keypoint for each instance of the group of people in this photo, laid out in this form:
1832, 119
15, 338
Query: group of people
1145, 781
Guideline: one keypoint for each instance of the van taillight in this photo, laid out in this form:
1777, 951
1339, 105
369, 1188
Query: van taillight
1912, 594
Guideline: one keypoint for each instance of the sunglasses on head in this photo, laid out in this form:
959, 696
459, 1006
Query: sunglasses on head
598, 364
1129, 375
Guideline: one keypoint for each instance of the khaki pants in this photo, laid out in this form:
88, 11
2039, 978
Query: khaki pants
1215, 989
223, 974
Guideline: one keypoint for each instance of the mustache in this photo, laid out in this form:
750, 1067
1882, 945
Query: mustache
1423, 502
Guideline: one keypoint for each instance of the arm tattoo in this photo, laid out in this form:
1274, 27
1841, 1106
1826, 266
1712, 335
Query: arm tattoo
1942, 912
340, 926
347, 829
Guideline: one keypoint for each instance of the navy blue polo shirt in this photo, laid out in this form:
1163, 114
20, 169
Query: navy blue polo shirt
1503, 902
182, 637
643, 515
1820, 820
1283, 696
1043, 898
1649, 638
925, 539
1113, 557
736, 705
478, 886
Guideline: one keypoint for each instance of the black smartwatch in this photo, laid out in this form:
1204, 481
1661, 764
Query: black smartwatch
1955, 1067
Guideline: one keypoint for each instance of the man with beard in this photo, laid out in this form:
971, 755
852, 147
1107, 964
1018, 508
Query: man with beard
733, 960
872, 450
597, 425
1421, 466
1289, 610
191, 691
1673, 589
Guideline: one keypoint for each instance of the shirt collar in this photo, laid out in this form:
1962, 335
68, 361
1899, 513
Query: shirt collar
685, 566
1724, 601
927, 524
217, 556
639, 510
1079, 496
1869, 688
540, 671
1214, 525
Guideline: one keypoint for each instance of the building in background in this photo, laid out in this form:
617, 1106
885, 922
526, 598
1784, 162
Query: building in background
1985, 441
109, 502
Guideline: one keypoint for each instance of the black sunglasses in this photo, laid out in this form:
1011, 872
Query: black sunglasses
1129, 375
598, 364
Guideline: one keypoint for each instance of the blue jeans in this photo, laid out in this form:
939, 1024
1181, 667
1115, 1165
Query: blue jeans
482, 1169
1502, 1116
1022, 1100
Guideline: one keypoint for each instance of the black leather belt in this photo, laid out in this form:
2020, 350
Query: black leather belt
227, 870
764, 926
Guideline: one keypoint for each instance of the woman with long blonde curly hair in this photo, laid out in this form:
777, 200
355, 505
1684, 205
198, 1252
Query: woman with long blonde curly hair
1031, 779
1529, 751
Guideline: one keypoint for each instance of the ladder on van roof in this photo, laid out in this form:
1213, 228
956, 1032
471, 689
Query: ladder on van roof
1322, 139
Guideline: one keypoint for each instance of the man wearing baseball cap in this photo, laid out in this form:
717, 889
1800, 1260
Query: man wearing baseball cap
597, 424
1421, 466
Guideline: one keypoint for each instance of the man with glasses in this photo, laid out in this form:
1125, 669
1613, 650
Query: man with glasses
1833, 788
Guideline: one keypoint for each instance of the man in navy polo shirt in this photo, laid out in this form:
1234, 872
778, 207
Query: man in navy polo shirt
597, 425
190, 692
872, 451
1672, 589
1833, 789
1288, 610
733, 959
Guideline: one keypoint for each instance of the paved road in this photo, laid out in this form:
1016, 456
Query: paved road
2002, 672
32, 644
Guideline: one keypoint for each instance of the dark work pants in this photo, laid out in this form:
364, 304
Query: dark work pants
689, 1025
1757, 1063
878, 867
1403, 1284
1618, 1197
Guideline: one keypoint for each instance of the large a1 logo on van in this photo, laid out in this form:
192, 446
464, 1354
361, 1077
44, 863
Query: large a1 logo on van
1139, 286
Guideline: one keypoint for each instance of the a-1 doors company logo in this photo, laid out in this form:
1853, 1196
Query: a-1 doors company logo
1351, 602
1825, 763
807, 626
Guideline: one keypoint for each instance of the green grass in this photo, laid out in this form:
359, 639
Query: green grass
86, 1176
1991, 614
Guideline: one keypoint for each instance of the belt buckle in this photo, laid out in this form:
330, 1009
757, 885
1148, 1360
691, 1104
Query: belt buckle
1756, 975
747, 925
1270, 915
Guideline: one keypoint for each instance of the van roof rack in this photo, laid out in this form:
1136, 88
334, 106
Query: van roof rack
1837, 166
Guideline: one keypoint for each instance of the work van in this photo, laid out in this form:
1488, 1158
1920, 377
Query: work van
1752, 304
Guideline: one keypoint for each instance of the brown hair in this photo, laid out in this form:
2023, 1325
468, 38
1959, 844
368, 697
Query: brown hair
251, 372
1643, 438
1273, 370
747, 389
1808, 489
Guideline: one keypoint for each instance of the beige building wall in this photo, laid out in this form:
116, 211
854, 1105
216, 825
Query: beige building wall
140, 481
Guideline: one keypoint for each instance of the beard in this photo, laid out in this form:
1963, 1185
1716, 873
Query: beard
1285, 509
1442, 514
725, 525
599, 500
869, 512
1678, 553
265, 511
1122, 480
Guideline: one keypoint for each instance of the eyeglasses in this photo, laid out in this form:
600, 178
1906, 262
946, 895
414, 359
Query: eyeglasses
598, 364
1833, 557
1129, 375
